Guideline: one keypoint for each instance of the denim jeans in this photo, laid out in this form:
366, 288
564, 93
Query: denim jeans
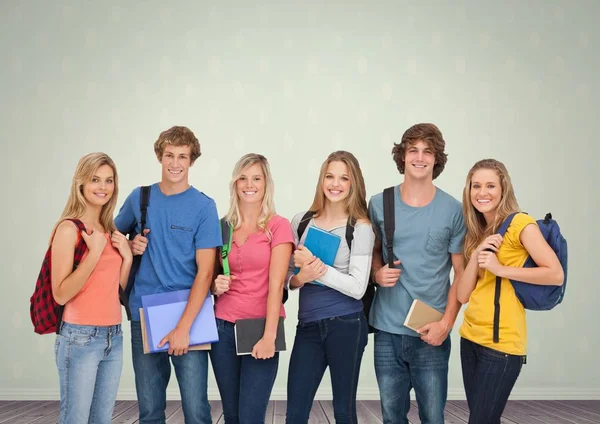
152, 374
489, 376
337, 342
403, 362
89, 361
244, 383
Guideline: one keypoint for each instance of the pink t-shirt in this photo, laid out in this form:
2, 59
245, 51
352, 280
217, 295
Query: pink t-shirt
249, 263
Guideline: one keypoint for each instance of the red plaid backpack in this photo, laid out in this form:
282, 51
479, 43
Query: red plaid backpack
46, 314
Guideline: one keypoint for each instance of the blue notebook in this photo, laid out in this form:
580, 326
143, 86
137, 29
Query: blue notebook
323, 244
162, 312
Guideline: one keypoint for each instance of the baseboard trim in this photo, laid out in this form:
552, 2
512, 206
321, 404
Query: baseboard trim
324, 394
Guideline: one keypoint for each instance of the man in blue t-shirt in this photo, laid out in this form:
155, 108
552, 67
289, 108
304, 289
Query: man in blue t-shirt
178, 251
428, 242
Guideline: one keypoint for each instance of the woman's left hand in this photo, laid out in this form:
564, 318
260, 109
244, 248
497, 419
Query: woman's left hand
263, 349
119, 242
302, 256
489, 260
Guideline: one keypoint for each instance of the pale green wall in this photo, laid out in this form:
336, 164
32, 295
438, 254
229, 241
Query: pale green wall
517, 81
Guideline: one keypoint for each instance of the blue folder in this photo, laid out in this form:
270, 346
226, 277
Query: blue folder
163, 311
323, 244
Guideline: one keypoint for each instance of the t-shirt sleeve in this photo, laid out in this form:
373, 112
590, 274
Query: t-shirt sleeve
457, 235
374, 218
513, 234
281, 231
208, 234
125, 220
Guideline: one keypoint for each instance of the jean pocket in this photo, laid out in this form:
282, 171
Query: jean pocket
350, 318
493, 353
438, 240
80, 339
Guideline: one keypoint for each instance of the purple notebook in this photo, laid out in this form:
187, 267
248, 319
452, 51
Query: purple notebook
164, 310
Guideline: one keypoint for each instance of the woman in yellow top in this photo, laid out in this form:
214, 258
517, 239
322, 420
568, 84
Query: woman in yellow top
490, 369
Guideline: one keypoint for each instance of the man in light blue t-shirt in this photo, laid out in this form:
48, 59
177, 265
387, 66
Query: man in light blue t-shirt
428, 242
178, 251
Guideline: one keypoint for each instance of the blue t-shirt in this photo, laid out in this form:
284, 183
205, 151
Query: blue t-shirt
424, 239
179, 224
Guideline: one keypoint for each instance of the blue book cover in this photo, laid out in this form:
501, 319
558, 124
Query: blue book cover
323, 244
162, 312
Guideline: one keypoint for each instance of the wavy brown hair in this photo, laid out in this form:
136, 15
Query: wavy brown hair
356, 202
76, 204
477, 227
428, 133
178, 136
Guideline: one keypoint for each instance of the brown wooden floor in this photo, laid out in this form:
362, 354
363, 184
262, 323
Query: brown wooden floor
369, 411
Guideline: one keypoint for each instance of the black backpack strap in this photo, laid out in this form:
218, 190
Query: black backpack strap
350, 231
389, 223
304, 223
124, 294
144, 201
502, 231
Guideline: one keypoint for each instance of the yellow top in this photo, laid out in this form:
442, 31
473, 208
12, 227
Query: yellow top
478, 324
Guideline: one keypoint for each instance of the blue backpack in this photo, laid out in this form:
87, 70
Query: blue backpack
536, 297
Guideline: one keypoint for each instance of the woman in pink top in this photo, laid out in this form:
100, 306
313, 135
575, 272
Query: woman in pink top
260, 252
89, 346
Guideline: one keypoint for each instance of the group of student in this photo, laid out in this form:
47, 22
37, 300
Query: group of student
179, 249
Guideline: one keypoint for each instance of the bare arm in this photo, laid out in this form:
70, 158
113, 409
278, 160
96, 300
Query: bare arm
468, 281
66, 283
280, 258
453, 305
548, 271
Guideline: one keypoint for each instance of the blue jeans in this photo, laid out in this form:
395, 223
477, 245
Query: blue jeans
337, 342
403, 362
89, 361
152, 374
244, 383
488, 376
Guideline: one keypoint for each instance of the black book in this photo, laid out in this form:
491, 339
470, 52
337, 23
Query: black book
249, 331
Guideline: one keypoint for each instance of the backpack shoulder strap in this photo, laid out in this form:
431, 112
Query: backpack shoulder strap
350, 231
144, 202
504, 227
304, 223
227, 238
389, 223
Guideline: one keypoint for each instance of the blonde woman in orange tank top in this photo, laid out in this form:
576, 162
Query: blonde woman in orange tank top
89, 346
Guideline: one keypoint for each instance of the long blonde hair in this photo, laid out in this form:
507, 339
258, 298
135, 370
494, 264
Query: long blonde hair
356, 202
76, 204
477, 227
234, 216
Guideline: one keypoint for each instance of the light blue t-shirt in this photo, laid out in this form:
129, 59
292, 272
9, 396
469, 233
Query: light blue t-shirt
424, 239
179, 224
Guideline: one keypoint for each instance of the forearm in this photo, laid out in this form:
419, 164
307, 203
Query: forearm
70, 286
452, 305
377, 259
273, 310
467, 281
543, 276
198, 294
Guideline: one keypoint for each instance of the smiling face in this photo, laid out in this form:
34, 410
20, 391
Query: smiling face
336, 182
486, 192
176, 163
419, 160
251, 185
100, 189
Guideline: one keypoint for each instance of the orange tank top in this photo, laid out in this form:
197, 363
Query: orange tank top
97, 303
